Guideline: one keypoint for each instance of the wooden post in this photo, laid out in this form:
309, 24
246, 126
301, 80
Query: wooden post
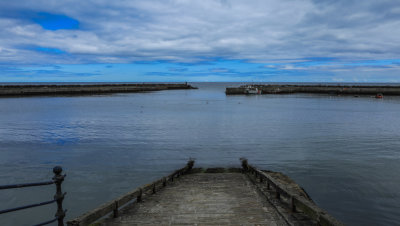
154, 188
164, 183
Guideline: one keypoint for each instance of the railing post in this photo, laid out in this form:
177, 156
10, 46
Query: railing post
139, 197
277, 194
292, 205
115, 211
59, 196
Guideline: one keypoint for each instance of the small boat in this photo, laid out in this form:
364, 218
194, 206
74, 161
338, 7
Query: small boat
379, 95
252, 90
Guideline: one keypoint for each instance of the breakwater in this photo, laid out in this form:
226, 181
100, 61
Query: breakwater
321, 89
28, 90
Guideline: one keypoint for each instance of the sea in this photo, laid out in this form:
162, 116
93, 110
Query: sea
343, 150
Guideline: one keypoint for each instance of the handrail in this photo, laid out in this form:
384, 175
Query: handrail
27, 206
3, 187
296, 202
58, 197
115, 205
47, 222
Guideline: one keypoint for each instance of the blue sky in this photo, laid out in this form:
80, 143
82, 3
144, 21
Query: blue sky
210, 40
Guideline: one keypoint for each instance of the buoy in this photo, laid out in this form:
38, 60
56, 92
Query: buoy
379, 95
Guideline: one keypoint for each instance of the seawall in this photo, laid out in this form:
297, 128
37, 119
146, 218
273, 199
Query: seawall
29, 90
321, 89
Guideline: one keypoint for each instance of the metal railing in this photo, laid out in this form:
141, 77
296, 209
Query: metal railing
295, 201
58, 197
113, 207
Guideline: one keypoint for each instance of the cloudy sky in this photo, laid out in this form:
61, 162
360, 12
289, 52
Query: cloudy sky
207, 40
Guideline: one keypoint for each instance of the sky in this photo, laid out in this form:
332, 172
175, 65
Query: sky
200, 41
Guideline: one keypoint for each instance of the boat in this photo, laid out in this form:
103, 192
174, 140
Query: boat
379, 95
252, 90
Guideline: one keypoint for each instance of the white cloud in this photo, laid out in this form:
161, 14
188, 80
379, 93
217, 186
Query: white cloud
186, 31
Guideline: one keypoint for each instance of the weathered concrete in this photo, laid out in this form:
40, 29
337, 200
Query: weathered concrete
322, 89
215, 196
28, 90
203, 199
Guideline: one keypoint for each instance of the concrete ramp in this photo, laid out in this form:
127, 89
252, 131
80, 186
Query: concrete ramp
202, 199
216, 196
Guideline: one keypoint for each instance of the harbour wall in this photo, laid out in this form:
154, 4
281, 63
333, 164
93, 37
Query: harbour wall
336, 90
29, 90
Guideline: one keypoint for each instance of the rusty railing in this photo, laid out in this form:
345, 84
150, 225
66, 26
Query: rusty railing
58, 197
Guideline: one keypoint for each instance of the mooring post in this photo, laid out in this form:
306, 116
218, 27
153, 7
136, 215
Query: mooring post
59, 196
190, 164
245, 165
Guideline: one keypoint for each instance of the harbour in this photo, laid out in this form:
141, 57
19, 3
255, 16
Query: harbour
103, 102
111, 144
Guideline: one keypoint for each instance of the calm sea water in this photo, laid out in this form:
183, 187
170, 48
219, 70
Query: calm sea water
343, 150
